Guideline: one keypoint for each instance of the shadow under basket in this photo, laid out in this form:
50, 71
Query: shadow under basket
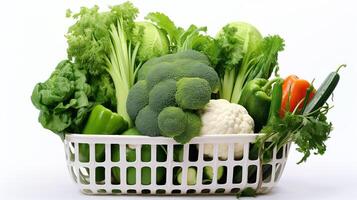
141, 165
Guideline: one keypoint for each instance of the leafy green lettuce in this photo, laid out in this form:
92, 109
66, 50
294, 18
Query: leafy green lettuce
66, 98
180, 40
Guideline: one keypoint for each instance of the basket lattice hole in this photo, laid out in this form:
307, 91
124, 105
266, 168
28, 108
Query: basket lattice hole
176, 192
161, 155
160, 175
238, 151
191, 176
83, 152
252, 174
208, 152
253, 151
267, 171
131, 176
205, 191
191, 191
160, 191
102, 191
220, 190
176, 170
237, 174
193, 153
99, 152
100, 175
116, 191
115, 150
146, 176
178, 153
268, 155
222, 175
286, 150
209, 173
223, 152
71, 151
235, 190
131, 154
115, 175
87, 191
145, 191
73, 173
131, 191
278, 171
279, 154
84, 175
145, 153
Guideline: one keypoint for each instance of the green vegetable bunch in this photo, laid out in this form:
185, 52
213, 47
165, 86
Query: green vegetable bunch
169, 91
112, 42
66, 98
243, 54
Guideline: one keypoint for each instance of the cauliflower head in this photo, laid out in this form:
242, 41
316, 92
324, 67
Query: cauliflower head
222, 117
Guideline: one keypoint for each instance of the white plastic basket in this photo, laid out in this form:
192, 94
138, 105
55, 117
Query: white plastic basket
240, 173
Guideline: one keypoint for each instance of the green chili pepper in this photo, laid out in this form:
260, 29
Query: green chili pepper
256, 98
277, 94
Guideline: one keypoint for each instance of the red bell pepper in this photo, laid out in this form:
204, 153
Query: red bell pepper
294, 93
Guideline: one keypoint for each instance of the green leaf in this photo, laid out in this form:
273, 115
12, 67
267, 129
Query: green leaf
166, 24
247, 192
63, 100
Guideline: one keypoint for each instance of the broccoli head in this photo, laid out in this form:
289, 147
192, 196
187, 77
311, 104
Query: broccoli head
172, 121
172, 84
192, 93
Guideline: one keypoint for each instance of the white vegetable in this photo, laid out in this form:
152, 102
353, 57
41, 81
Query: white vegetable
222, 117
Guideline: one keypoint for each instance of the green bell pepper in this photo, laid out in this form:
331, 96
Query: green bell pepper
256, 98
102, 121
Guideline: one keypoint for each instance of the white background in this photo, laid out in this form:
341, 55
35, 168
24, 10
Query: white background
319, 36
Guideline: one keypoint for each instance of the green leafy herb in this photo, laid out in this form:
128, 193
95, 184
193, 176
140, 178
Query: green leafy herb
244, 55
309, 132
100, 42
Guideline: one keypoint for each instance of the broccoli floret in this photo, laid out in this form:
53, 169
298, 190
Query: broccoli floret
192, 130
201, 71
189, 56
172, 121
192, 93
162, 72
162, 95
137, 99
146, 122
